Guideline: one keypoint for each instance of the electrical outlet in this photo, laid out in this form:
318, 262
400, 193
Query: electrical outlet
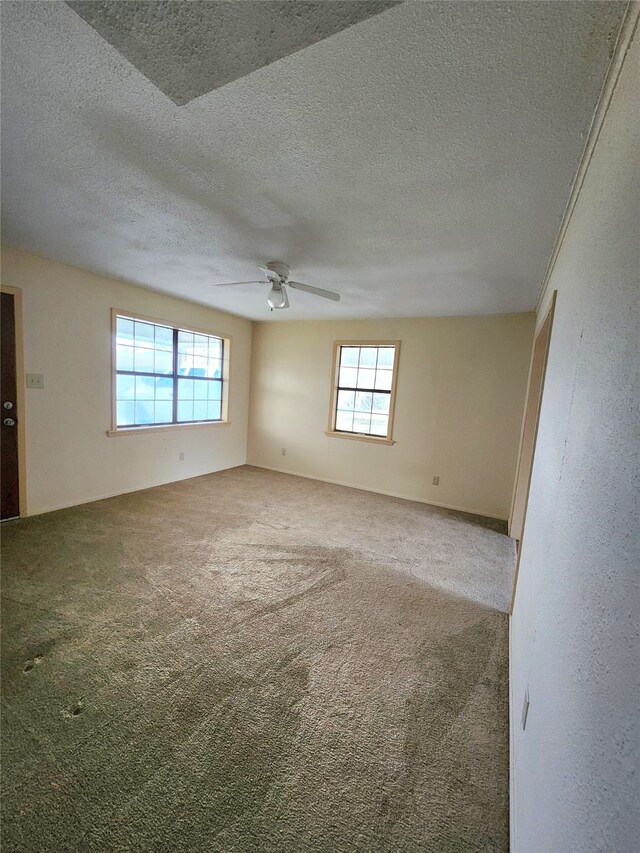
436, 481
525, 709
283, 451
35, 380
181, 456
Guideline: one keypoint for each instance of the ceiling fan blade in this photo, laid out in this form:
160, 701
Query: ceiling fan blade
317, 291
233, 283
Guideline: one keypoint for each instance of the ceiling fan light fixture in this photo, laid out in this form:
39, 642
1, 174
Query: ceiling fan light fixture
277, 275
277, 298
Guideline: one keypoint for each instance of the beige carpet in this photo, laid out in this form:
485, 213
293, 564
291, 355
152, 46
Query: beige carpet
249, 661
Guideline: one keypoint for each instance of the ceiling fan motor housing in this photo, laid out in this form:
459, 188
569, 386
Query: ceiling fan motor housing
281, 270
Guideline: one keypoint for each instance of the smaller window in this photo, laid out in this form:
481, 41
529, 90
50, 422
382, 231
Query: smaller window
363, 391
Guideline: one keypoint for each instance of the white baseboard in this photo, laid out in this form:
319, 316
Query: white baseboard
378, 491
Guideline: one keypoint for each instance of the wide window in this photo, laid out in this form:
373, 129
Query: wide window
364, 387
166, 375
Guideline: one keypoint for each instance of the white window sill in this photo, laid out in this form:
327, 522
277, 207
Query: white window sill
355, 437
163, 428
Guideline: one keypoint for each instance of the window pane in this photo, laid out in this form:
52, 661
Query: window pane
126, 413
215, 348
214, 369
379, 424
344, 421
200, 410
185, 410
143, 360
163, 362
200, 389
185, 353
366, 378
124, 331
348, 377
386, 356
361, 422
199, 367
144, 334
349, 356
124, 357
346, 400
193, 354
383, 380
144, 412
164, 389
201, 345
363, 402
145, 388
381, 403
213, 410
164, 338
125, 387
163, 411
185, 342
185, 389
215, 390
368, 356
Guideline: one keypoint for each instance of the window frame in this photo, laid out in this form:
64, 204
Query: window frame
333, 401
172, 324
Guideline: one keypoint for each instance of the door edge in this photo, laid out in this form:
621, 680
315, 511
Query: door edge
16, 292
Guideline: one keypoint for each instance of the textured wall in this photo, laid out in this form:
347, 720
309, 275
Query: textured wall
575, 627
67, 337
460, 397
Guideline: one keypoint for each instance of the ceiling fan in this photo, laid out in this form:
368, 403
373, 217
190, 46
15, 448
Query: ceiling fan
277, 275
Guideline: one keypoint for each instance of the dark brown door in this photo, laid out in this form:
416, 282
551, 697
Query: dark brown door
8, 414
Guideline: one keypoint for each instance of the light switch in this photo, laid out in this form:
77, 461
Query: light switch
35, 380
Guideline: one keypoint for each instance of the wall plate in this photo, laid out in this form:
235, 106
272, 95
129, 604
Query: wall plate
35, 380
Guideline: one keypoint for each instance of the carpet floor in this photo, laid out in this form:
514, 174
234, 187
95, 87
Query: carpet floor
250, 661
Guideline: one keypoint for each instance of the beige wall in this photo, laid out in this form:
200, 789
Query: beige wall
67, 337
575, 629
461, 389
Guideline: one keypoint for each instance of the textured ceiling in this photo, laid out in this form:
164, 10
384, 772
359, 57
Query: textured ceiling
188, 49
419, 161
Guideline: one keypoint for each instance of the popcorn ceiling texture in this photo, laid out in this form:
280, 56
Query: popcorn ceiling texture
418, 162
252, 661
188, 49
